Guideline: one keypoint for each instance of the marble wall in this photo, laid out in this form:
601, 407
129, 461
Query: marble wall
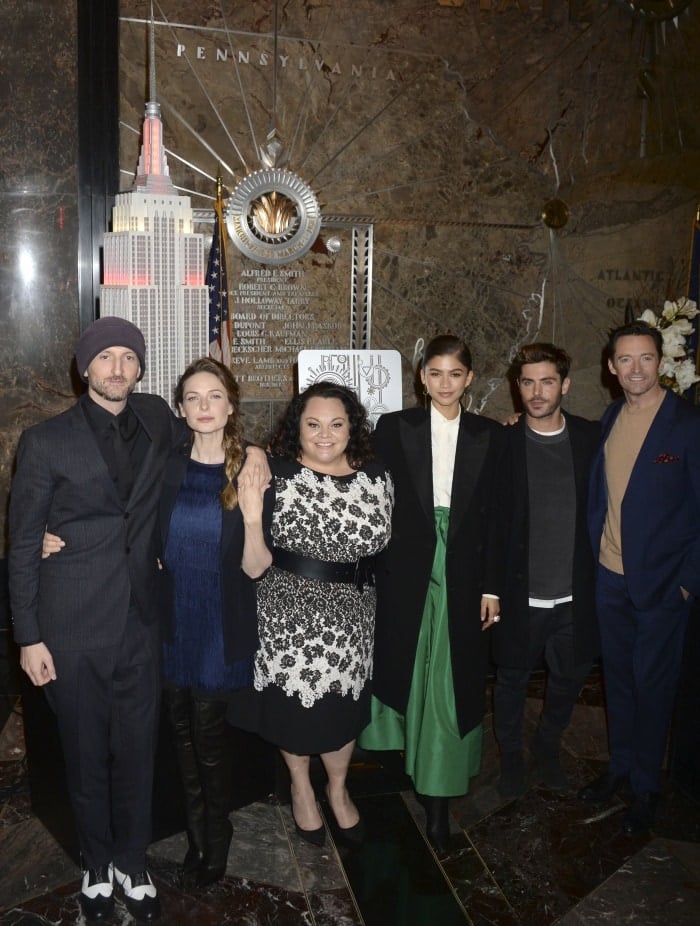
39, 318
449, 125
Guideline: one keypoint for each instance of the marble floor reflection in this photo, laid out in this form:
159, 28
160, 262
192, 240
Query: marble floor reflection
540, 860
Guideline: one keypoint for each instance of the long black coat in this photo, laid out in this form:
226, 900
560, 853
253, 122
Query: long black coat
402, 440
511, 638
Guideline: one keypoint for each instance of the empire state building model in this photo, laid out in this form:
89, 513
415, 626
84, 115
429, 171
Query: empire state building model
154, 264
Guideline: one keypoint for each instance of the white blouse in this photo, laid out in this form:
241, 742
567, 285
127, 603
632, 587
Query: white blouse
443, 434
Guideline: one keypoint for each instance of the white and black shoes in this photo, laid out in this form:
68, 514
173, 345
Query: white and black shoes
97, 893
140, 895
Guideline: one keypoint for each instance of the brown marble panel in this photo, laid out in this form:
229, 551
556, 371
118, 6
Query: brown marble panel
545, 854
450, 126
32, 863
38, 218
663, 892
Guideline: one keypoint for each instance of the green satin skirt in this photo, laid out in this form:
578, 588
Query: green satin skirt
439, 761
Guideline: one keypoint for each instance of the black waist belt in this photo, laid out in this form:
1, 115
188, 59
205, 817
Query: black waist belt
360, 573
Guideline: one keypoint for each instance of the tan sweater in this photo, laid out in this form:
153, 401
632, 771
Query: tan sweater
621, 451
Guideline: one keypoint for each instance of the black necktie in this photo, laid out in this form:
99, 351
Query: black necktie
125, 473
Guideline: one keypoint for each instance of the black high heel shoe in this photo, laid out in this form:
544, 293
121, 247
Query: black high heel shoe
349, 835
314, 837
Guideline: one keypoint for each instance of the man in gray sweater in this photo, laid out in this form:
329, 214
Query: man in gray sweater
547, 606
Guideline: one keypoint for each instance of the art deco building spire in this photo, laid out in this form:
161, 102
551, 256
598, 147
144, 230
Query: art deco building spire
153, 175
154, 261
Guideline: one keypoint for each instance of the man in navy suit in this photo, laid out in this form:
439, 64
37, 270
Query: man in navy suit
644, 518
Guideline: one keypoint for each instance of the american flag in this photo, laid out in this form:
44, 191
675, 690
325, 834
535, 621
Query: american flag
694, 293
217, 281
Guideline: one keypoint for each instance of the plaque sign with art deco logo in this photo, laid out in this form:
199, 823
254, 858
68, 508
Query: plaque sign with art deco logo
273, 217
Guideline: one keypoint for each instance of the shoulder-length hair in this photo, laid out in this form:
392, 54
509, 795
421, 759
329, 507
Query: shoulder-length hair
286, 441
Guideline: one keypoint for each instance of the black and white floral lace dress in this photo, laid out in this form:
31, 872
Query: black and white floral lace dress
314, 664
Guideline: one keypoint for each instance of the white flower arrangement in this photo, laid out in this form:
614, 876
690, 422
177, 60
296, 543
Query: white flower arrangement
678, 371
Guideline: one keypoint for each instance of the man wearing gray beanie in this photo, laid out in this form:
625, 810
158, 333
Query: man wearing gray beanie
85, 618
104, 333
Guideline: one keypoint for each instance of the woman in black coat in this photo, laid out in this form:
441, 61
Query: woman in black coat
211, 523
438, 583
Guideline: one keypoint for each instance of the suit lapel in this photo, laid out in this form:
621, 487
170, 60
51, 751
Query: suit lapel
414, 435
90, 455
579, 456
656, 441
144, 473
517, 472
472, 448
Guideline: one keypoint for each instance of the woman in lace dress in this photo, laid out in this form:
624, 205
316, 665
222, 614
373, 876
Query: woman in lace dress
332, 514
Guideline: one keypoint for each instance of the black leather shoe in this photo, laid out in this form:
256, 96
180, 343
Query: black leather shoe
140, 895
640, 817
314, 837
512, 782
347, 835
437, 821
548, 763
191, 865
213, 866
97, 894
601, 789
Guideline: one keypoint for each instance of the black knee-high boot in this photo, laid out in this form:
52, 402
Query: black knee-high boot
179, 708
213, 750
437, 824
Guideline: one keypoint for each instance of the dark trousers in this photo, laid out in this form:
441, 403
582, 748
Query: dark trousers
642, 652
551, 634
106, 702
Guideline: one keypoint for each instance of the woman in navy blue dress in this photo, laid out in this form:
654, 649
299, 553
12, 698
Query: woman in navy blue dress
211, 521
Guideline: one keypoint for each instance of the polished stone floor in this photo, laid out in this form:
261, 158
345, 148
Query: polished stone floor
540, 860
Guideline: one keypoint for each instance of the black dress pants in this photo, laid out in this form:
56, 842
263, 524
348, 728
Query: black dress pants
107, 705
551, 634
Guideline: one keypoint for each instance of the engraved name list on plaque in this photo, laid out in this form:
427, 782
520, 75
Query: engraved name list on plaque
278, 311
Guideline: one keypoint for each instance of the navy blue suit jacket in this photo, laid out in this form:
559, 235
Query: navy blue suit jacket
660, 519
